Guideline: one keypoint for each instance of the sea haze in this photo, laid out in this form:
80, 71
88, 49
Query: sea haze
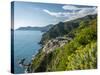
25, 46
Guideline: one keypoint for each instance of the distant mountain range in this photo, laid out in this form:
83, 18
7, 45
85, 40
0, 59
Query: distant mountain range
42, 29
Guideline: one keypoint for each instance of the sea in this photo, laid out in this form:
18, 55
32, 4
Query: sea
26, 45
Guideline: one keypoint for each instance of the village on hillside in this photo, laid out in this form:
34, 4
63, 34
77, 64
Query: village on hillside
52, 44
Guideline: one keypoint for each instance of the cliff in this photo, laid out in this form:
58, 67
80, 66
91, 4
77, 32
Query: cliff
68, 45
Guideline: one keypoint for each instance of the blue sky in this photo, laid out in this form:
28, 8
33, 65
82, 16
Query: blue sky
42, 14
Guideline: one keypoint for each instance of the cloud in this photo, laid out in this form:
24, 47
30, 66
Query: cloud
51, 13
70, 7
81, 10
77, 12
87, 11
58, 14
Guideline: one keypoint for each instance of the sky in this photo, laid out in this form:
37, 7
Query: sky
42, 14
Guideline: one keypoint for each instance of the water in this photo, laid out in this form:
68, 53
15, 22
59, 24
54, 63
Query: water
25, 46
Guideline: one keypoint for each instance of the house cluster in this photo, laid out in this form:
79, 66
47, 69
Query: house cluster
54, 43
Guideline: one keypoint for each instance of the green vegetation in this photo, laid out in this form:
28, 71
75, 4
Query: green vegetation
80, 53
64, 28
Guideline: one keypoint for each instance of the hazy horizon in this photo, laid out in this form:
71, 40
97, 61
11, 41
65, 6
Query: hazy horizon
42, 14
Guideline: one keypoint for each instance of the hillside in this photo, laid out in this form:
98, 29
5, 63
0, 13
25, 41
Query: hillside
42, 29
64, 28
68, 46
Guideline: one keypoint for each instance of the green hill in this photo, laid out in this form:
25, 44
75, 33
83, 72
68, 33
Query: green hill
77, 54
64, 28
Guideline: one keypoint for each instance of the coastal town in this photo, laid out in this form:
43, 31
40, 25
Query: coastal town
52, 44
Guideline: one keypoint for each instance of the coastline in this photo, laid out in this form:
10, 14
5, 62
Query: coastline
28, 69
61, 51
29, 48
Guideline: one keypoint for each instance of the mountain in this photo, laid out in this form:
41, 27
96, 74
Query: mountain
42, 29
63, 28
68, 45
